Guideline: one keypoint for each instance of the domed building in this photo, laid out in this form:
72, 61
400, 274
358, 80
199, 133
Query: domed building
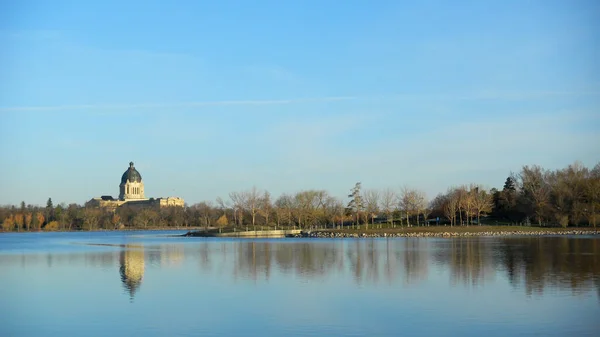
131, 192
131, 186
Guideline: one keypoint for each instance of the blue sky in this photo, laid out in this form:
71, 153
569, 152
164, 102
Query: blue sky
212, 97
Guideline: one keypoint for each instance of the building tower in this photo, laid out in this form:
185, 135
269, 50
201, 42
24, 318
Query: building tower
131, 186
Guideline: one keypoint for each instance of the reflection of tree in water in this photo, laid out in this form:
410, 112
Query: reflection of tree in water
356, 261
256, 259
372, 262
391, 261
367, 260
563, 262
131, 261
251, 259
415, 252
469, 260
171, 255
597, 283
531, 263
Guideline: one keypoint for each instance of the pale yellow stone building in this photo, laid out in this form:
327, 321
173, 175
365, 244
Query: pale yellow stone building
131, 193
131, 187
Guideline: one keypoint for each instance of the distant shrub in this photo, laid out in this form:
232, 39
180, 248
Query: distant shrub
51, 226
9, 223
563, 220
222, 221
7, 226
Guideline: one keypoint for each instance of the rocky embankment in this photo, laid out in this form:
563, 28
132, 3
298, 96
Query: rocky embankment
325, 234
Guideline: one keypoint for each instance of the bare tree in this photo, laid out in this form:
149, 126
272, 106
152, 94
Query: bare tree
451, 206
482, 202
421, 205
238, 203
234, 207
409, 203
388, 200
332, 209
340, 211
469, 203
578, 178
535, 189
300, 208
371, 202
223, 205
146, 217
320, 202
462, 196
265, 206
593, 194
426, 211
404, 204
91, 216
309, 207
205, 211
253, 198
283, 210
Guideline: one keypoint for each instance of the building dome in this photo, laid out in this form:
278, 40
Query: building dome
131, 174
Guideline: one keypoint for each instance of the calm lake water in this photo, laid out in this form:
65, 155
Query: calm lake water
152, 284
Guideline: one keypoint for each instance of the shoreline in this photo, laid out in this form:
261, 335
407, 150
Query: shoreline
445, 232
442, 232
152, 229
433, 231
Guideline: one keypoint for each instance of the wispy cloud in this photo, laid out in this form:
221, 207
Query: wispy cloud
457, 151
500, 95
274, 72
446, 152
475, 96
176, 105
32, 35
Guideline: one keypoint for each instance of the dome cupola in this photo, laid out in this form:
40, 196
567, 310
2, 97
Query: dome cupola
131, 174
131, 187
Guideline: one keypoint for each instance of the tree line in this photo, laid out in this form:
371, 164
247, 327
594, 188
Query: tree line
563, 197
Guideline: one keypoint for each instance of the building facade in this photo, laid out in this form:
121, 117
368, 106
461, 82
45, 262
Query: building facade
131, 187
131, 193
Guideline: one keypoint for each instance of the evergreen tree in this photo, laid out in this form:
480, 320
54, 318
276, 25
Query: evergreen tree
49, 210
506, 200
356, 203
22, 216
35, 221
510, 184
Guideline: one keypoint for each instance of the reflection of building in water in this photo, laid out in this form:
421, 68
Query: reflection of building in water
132, 267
